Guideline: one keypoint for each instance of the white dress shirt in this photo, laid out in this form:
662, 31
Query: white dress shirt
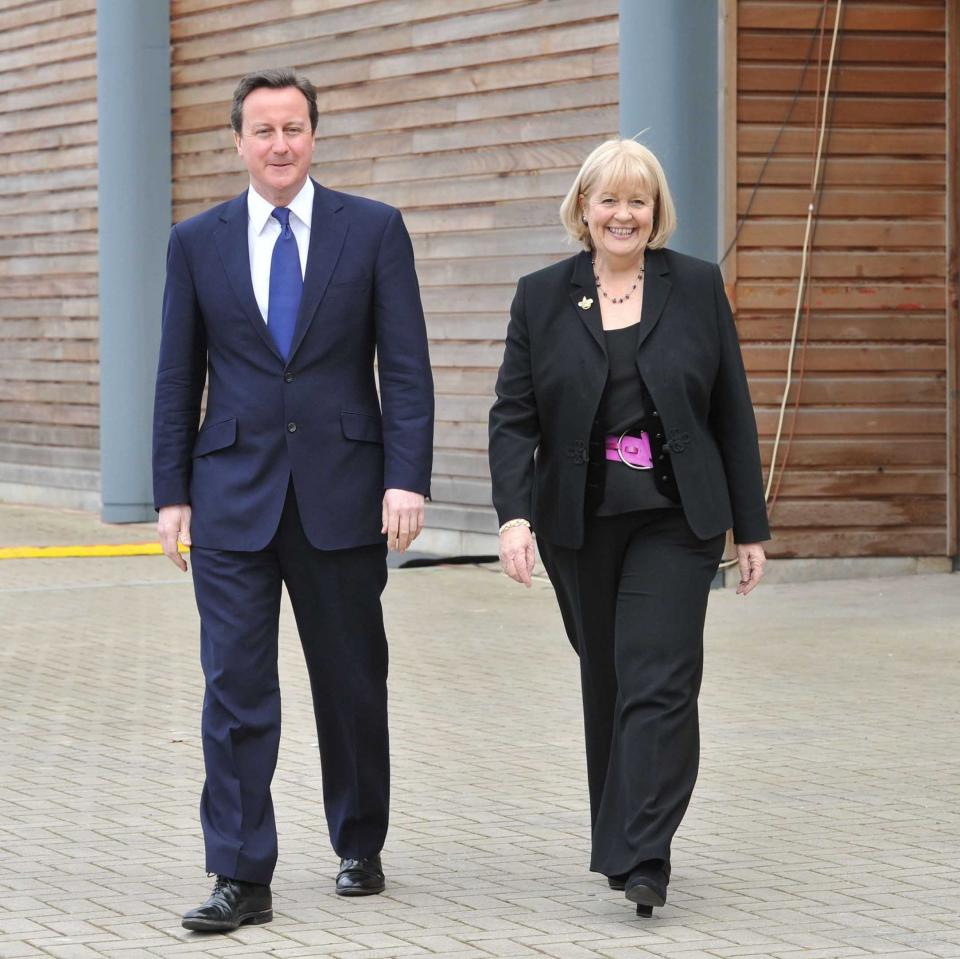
263, 228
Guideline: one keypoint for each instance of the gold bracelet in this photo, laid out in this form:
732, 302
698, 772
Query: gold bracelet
514, 523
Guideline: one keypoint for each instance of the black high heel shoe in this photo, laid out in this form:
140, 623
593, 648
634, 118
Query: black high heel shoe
647, 887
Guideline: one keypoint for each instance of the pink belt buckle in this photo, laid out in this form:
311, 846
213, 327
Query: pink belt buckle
632, 451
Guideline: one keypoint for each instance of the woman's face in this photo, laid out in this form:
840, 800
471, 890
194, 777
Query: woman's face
620, 219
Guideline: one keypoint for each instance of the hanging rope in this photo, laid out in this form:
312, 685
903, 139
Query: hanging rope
816, 190
794, 413
805, 250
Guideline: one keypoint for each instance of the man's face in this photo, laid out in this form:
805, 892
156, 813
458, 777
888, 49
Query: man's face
276, 142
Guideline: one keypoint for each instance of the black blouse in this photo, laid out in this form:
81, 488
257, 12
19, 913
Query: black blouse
621, 408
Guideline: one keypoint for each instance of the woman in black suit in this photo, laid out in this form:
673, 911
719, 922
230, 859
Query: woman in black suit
624, 435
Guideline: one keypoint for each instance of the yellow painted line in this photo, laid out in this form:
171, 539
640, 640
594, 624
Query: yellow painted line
74, 552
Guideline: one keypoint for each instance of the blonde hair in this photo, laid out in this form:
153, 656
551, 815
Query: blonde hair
613, 164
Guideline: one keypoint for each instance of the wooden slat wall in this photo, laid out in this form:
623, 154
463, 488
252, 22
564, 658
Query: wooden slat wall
471, 116
49, 376
867, 468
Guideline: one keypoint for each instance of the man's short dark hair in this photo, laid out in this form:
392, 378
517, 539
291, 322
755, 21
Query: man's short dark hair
275, 80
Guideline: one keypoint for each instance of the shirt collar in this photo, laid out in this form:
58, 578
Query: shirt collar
260, 210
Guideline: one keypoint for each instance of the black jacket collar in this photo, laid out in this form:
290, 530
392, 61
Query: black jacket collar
586, 301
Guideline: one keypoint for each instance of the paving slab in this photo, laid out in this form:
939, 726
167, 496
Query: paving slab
826, 822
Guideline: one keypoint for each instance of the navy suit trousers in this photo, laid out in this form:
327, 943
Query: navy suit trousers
335, 596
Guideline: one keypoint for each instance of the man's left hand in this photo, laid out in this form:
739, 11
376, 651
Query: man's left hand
402, 517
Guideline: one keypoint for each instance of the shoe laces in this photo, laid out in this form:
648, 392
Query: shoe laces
220, 884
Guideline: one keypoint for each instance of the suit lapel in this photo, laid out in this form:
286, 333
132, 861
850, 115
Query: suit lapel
656, 291
586, 301
327, 233
234, 249
583, 296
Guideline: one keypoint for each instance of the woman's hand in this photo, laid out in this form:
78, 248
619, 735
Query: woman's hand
752, 559
517, 554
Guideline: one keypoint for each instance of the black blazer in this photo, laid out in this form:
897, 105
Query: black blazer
544, 421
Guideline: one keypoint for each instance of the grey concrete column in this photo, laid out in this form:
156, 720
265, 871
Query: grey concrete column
133, 115
669, 86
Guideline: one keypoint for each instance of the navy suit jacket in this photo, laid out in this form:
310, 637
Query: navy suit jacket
315, 416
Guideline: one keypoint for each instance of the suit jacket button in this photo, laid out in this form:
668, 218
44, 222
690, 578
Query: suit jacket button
288, 377
291, 427
654, 413
664, 478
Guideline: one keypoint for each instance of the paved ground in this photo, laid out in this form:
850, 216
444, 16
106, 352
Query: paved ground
825, 824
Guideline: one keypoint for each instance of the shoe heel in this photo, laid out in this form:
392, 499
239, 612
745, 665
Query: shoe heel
645, 897
258, 918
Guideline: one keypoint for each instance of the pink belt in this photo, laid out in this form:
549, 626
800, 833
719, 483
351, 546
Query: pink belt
632, 451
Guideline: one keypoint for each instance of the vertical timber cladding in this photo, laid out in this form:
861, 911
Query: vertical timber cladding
471, 116
49, 404
867, 472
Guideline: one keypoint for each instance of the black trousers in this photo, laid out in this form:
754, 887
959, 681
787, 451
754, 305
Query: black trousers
336, 601
633, 600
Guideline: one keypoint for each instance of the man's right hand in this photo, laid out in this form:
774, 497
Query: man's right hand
173, 525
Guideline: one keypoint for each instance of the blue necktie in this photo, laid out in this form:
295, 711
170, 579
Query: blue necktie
286, 285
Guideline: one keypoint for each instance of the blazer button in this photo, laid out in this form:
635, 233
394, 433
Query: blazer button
664, 478
654, 413
291, 427
288, 377
661, 456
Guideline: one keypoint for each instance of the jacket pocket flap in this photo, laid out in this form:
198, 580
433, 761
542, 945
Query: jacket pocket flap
361, 426
357, 280
215, 436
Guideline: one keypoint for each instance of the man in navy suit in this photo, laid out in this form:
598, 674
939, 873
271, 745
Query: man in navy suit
279, 299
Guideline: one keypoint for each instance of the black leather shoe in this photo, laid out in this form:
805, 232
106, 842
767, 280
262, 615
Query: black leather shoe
360, 877
617, 882
647, 886
232, 903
